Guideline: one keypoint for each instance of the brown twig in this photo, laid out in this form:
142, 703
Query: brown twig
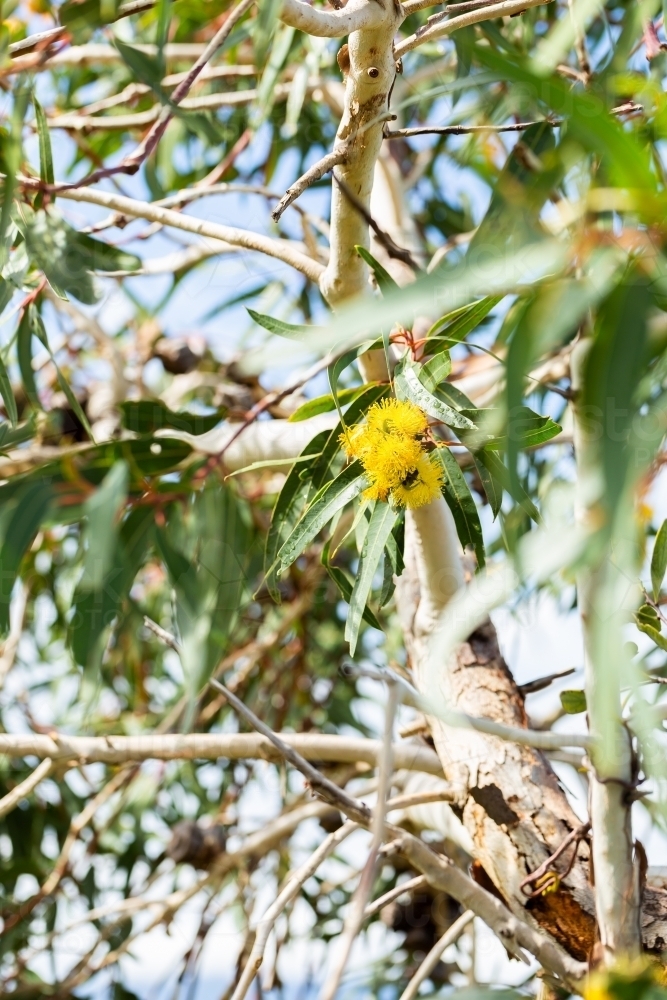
545, 877
311, 176
392, 248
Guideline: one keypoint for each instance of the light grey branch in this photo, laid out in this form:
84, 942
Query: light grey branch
22, 791
451, 935
357, 15
311, 176
389, 897
440, 29
212, 746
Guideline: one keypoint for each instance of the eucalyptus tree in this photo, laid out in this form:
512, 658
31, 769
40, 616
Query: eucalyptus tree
208, 561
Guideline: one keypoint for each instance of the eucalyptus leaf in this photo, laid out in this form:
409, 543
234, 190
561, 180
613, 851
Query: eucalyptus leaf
380, 527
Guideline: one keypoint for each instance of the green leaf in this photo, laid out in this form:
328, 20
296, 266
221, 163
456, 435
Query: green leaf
45, 154
344, 585
81, 17
24, 351
573, 701
264, 29
659, 559
380, 527
492, 487
408, 386
40, 332
456, 325
435, 371
495, 466
102, 511
462, 505
384, 280
335, 370
30, 509
648, 622
279, 327
324, 404
145, 416
288, 509
327, 502
7, 394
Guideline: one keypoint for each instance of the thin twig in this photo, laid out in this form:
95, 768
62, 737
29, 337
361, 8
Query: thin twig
289, 891
543, 682
382, 901
23, 790
130, 164
167, 638
451, 935
311, 176
355, 917
11, 644
392, 248
544, 877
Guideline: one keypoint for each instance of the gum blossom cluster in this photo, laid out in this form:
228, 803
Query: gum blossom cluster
391, 446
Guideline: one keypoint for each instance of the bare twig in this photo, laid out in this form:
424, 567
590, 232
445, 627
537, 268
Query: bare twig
441, 873
23, 790
431, 32
311, 176
355, 917
406, 133
167, 638
392, 248
389, 897
451, 935
543, 682
289, 891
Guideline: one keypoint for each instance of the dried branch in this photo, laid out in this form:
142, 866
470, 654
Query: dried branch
23, 790
213, 746
289, 892
544, 682
311, 176
451, 935
432, 32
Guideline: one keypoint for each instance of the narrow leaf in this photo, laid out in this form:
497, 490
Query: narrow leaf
499, 471
384, 280
45, 153
324, 404
409, 387
456, 325
382, 521
279, 327
30, 510
24, 351
462, 505
40, 332
7, 394
659, 559
330, 499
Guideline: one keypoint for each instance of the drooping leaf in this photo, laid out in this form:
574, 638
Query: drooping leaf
45, 153
498, 470
40, 332
288, 508
29, 510
492, 487
340, 578
335, 370
81, 17
327, 502
102, 513
659, 560
384, 280
648, 622
435, 371
380, 527
7, 393
24, 352
462, 505
408, 386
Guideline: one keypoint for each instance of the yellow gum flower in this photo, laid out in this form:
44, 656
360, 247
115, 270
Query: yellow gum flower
391, 460
421, 487
397, 416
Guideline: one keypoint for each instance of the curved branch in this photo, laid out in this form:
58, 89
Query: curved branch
358, 15
439, 30
200, 227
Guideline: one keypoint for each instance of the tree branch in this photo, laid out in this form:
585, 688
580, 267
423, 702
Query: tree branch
212, 746
234, 237
311, 176
357, 15
431, 33
12, 799
451, 935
